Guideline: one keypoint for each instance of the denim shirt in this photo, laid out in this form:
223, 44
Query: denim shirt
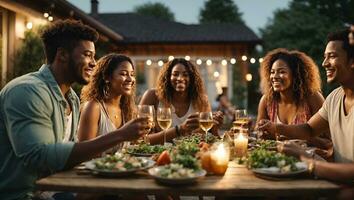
32, 127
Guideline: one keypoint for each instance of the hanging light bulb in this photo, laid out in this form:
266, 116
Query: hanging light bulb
160, 63
252, 60
232, 60
199, 61
50, 18
224, 62
170, 58
209, 62
244, 58
260, 60
148, 62
46, 15
187, 58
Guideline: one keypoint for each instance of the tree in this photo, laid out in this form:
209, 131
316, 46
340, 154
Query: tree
304, 26
30, 56
220, 11
157, 10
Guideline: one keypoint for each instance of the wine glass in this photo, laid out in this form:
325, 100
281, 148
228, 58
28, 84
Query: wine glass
206, 122
164, 119
241, 119
147, 111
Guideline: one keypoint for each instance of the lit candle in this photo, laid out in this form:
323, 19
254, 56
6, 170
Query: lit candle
241, 143
219, 156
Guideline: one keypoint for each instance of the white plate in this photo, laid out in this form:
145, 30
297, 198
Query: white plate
116, 173
275, 172
176, 181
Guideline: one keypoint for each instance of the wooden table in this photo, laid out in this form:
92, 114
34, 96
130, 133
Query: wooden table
238, 181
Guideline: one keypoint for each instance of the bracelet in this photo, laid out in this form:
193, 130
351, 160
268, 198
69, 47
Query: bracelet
311, 168
177, 131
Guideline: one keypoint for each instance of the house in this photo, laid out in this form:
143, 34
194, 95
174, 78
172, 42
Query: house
220, 50
17, 16
216, 48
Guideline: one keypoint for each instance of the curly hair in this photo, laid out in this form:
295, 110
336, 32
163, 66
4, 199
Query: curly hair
305, 73
196, 90
65, 34
103, 70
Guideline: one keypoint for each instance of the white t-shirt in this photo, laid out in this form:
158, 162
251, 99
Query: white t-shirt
340, 125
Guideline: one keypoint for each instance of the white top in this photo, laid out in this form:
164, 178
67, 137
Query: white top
179, 120
69, 121
105, 124
340, 125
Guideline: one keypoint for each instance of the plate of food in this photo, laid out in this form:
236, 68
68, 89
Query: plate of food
118, 165
145, 150
273, 164
195, 138
176, 174
263, 144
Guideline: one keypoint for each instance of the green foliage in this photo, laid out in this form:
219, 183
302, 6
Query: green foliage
220, 11
305, 25
157, 10
239, 88
30, 56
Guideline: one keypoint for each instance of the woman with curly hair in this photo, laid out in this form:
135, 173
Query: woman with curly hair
180, 87
109, 98
291, 85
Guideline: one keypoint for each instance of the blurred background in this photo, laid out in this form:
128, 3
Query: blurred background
226, 39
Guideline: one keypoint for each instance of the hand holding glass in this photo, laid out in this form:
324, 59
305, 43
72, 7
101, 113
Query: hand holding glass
147, 111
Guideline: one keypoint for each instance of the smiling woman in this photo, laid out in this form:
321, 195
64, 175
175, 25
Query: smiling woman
108, 99
292, 91
181, 88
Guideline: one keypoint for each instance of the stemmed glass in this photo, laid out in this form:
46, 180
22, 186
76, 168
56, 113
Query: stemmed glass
206, 122
164, 119
241, 119
147, 111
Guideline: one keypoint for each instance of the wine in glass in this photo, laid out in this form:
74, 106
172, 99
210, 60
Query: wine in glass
241, 120
164, 119
147, 111
206, 122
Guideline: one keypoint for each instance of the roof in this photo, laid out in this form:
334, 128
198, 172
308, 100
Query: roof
136, 28
61, 9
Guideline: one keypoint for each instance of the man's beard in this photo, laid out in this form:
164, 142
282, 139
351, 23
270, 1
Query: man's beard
77, 73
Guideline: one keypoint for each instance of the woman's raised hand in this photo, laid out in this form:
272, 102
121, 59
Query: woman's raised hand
190, 124
267, 128
136, 128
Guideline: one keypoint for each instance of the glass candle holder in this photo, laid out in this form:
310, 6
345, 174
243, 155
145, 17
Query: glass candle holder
219, 157
241, 144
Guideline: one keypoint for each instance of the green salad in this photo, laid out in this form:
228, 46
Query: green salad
196, 138
262, 158
119, 162
175, 170
144, 148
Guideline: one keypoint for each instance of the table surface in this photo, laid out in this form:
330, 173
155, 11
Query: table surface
237, 181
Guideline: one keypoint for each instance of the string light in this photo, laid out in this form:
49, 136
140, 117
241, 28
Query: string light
50, 18
248, 77
29, 25
224, 62
216, 74
46, 15
209, 62
199, 61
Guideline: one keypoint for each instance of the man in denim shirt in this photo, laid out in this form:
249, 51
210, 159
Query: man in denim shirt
38, 110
